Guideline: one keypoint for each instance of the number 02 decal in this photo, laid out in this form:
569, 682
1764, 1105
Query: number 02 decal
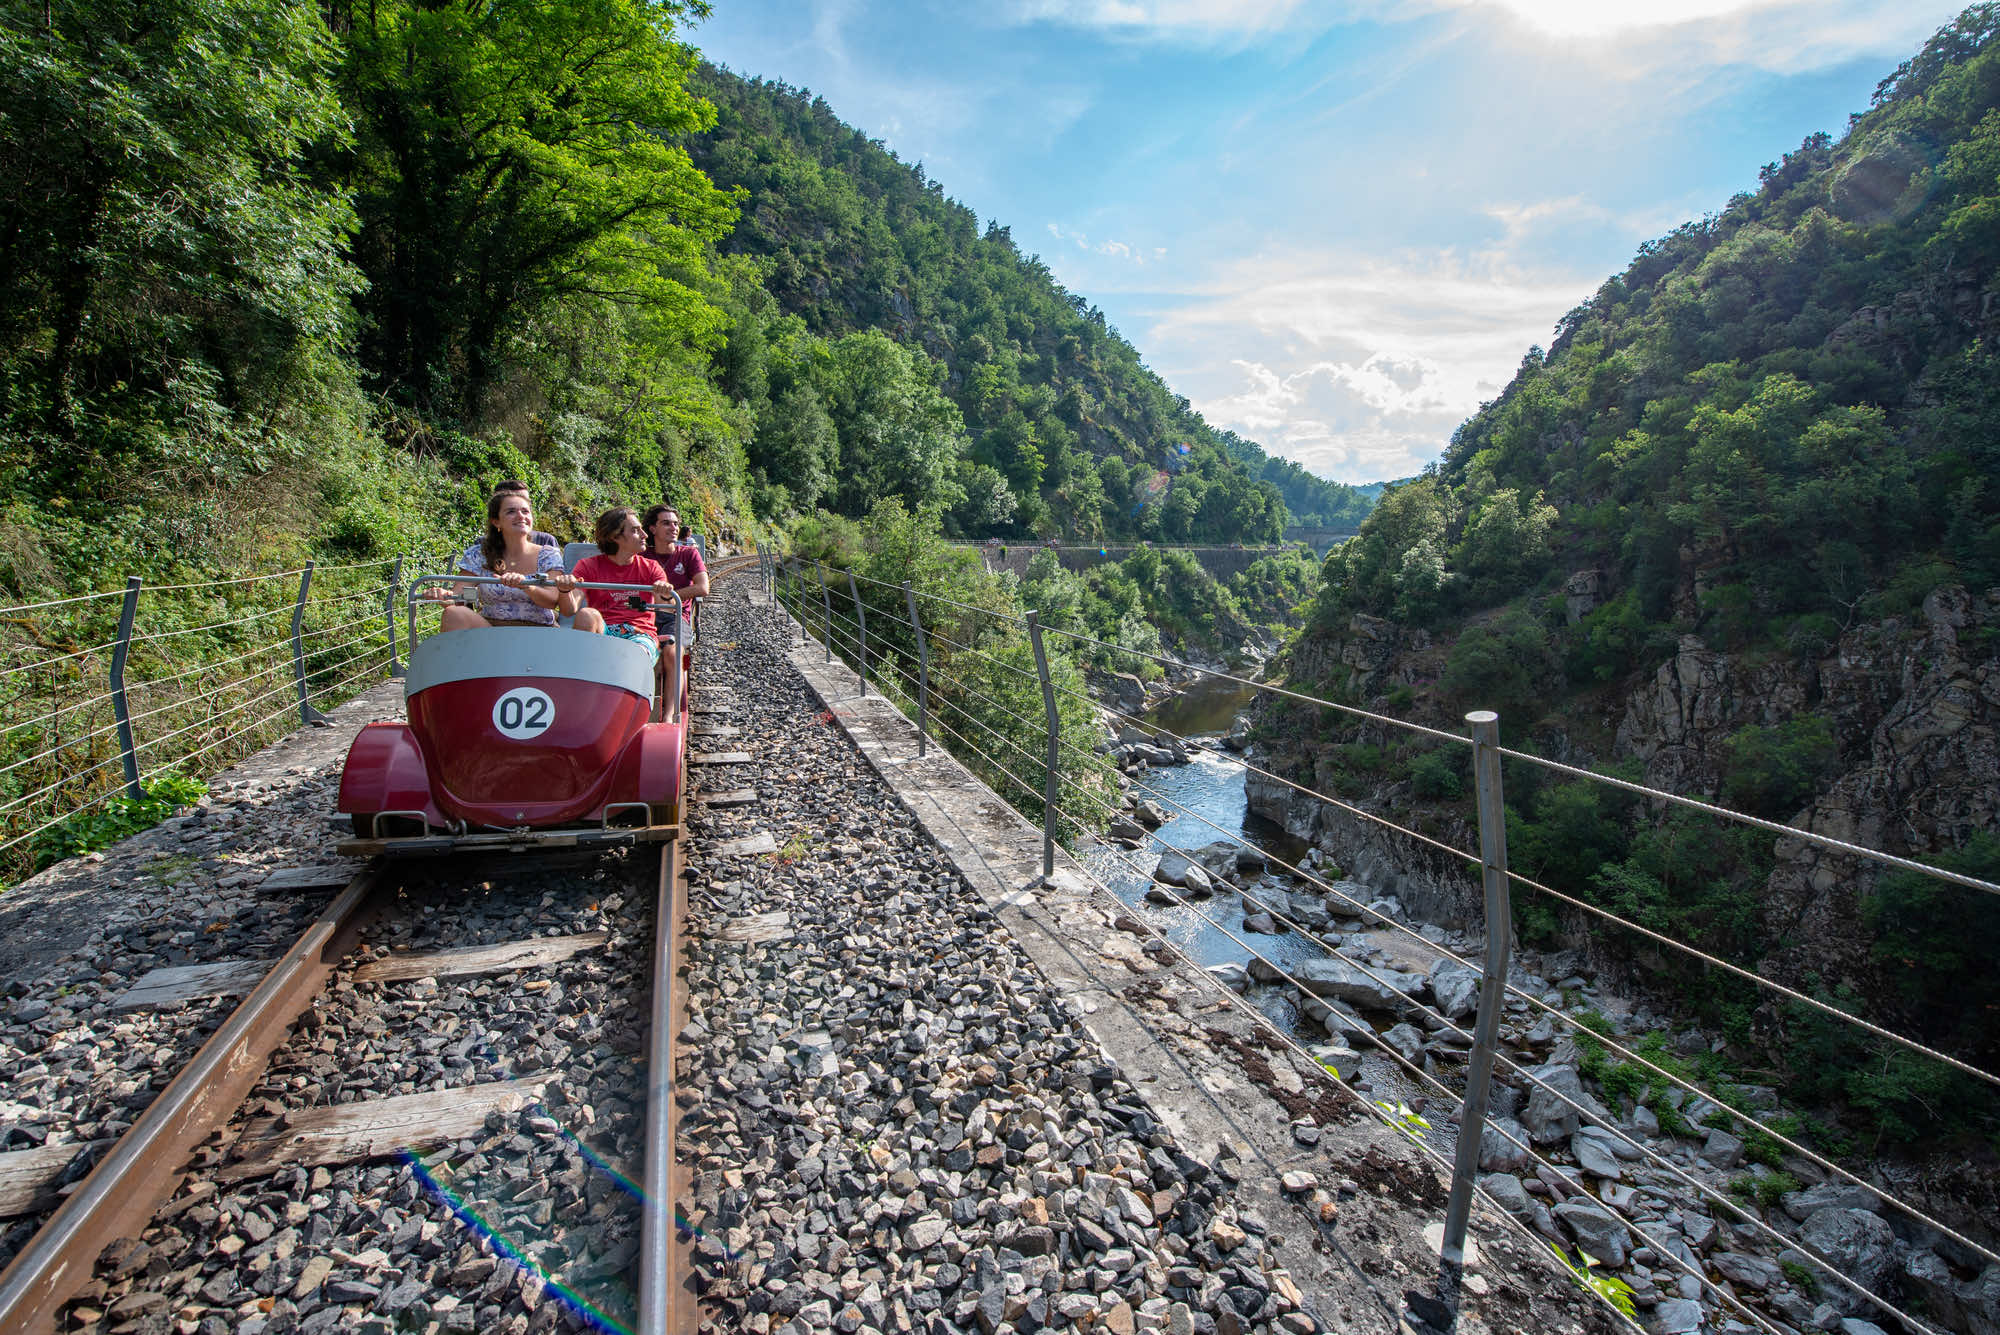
523, 712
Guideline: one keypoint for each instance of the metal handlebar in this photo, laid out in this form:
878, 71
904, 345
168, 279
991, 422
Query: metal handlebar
678, 607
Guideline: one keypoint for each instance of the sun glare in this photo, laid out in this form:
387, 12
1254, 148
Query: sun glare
1599, 18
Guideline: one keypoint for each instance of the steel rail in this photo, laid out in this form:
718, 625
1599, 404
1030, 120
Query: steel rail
660, 1297
143, 1169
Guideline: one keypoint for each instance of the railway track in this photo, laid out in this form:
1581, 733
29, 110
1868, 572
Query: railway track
193, 1126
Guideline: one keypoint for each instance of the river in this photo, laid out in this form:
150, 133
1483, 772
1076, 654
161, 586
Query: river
1205, 801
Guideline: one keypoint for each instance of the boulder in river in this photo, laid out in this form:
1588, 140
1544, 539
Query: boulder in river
1455, 987
1860, 1244
1550, 1116
1177, 868
1381, 989
1503, 1146
1596, 1230
1407, 1041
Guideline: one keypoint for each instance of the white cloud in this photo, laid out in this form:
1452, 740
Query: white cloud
1199, 20
1783, 36
1117, 250
1356, 366
1787, 36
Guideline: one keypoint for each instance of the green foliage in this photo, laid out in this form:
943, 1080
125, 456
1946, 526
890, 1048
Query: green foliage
509, 164
1503, 665
116, 818
1610, 1288
985, 698
1767, 1190
1441, 775
1880, 1090
1937, 942
173, 300
1774, 772
1066, 432
1400, 1116
1801, 1277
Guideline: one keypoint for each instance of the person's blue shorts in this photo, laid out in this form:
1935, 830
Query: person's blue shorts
636, 635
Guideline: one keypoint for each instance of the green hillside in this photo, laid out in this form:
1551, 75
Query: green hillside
1775, 420
1736, 532
1053, 401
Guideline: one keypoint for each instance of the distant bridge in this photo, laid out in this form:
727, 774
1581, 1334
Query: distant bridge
1321, 540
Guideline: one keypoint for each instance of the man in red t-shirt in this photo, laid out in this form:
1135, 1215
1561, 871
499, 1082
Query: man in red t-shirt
683, 564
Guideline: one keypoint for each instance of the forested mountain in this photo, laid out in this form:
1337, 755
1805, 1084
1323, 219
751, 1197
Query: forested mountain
1055, 403
1737, 531
285, 277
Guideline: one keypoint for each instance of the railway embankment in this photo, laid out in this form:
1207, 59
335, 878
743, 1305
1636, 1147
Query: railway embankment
923, 1089
971, 1094
80, 1057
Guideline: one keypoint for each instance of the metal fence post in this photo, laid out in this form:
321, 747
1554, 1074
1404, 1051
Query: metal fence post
861, 624
923, 668
1055, 737
827, 599
1485, 727
389, 615
127, 752
307, 714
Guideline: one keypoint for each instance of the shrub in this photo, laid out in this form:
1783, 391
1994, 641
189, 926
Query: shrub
116, 818
1774, 772
1439, 776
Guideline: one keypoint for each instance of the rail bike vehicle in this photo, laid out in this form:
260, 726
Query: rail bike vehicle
522, 739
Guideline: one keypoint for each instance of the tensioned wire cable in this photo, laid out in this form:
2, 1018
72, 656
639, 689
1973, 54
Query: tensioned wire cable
1692, 951
62, 602
1264, 1022
1425, 1078
1569, 1021
1824, 841
1530, 1077
1348, 807
270, 646
1783, 831
60, 658
22, 802
149, 636
112, 727
1534, 1001
111, 793
1221, 676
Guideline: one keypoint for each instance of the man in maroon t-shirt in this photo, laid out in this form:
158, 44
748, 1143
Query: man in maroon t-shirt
683, 564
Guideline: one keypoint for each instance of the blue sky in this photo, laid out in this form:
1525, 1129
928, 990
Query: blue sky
1334, 225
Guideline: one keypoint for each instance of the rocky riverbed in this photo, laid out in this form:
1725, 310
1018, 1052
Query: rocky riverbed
1660, 1189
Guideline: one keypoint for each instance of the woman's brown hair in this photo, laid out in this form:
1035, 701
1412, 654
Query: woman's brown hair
609, 525
494, 546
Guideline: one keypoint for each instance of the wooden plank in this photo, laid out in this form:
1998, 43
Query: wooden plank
191, 982
28, 1177
331, 875
751, 846
375, 1129
462, 960
756, 927
714, 730
733, 797
720, 758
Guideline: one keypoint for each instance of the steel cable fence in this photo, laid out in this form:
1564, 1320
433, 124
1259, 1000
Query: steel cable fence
84, 758
940, 686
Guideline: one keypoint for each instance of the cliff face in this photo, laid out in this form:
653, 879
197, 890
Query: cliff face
1913, 705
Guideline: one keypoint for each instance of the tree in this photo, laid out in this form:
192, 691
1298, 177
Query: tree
898, 435
509, 157
172, 297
